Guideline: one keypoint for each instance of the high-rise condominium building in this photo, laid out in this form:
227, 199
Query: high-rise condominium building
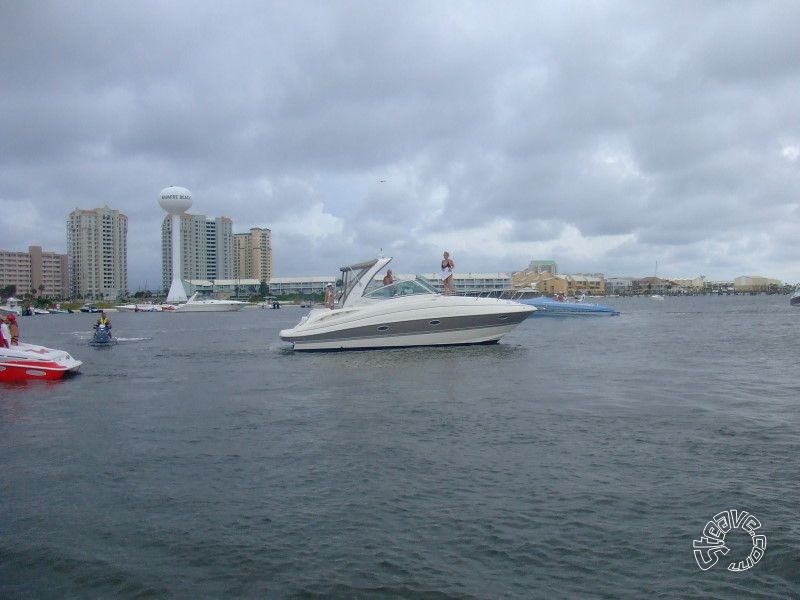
252, 254
36, 272
97, 247
543, 266
206, 248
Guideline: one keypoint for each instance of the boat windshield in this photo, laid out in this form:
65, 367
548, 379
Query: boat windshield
399, 288
351, 275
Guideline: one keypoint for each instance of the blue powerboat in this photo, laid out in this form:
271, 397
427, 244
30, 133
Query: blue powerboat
550, 307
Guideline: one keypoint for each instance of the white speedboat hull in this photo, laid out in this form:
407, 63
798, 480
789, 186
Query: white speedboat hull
29, 361
413, 321
489, 335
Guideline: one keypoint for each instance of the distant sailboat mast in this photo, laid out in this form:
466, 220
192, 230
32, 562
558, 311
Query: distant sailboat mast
655, 277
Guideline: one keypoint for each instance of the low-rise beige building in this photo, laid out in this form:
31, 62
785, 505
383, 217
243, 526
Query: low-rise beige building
755, 283
568, 285
694, 285
36, 272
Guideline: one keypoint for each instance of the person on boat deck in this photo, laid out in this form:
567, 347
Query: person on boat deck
388, 278
103, 320
5, 333
13, 328
330, 296
447, 273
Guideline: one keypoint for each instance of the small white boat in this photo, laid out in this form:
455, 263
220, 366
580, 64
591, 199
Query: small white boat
270, 303
200, 303
146, 307
401, 314
29, 361
11, 306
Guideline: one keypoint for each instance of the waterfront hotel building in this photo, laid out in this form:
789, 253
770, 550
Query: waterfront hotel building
206, 248
97, 250
252, 255
36, 272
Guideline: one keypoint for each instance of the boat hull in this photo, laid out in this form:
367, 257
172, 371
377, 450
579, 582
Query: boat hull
451, 323
102, 339
207, 307
555, 308
138, 308
198, 303
28, 361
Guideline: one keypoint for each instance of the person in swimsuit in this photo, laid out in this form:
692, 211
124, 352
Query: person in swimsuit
447, 273
330, 296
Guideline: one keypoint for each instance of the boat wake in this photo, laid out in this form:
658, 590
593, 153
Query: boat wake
86, 336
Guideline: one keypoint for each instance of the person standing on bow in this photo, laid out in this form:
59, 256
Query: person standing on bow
330, 296
447, 273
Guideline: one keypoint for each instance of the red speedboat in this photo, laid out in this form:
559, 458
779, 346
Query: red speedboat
28, 361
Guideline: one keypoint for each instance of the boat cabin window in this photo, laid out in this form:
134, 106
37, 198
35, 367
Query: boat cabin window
398, 288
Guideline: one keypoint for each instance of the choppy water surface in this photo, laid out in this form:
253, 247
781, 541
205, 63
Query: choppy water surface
578, 458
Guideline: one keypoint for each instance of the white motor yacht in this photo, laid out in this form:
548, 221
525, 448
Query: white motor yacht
403, 313
144, 307
200, 303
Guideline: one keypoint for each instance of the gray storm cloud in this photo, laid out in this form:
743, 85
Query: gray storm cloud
606, 136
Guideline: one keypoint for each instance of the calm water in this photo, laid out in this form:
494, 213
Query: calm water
199, 458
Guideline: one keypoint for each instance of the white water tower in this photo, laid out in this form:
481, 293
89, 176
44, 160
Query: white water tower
176, 201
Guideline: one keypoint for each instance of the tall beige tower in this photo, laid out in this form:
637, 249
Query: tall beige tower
206, 245
252, 254
97, 250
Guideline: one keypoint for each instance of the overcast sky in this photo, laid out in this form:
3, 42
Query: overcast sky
607, 136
